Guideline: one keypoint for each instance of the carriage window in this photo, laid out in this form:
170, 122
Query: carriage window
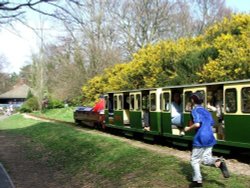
115, 102
132, 101
202, 92
145, 102
106, 102
245, 99
152, 101
165, 103
231, 100
138, 101
126, 102
188, 104
120, 102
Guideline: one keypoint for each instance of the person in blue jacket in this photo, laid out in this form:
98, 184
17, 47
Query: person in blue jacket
203, 141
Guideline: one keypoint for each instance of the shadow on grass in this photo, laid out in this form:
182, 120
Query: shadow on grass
186, 169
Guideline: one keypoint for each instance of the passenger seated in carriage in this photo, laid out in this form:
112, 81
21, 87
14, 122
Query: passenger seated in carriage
215, 104
177, 112
145, 117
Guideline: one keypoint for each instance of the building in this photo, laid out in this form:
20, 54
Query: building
17, 95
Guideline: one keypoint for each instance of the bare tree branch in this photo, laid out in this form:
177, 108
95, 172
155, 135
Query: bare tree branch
11, 11
3, 5
6, 19
68, 12
44, 13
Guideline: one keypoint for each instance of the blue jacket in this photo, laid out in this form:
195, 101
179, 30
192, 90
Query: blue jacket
204, 136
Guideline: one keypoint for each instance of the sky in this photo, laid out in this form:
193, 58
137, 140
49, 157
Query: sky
18, 49
18, 44
239, 5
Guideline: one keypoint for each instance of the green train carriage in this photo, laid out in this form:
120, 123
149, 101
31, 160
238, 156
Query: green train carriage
132, 110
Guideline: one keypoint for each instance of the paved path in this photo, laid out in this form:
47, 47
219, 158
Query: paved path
3, 117
5, 181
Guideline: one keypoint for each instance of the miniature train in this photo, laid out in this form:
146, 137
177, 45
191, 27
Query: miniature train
147, 112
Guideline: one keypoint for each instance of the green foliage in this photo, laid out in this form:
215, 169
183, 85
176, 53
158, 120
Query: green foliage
30, 105
191, 64
55, 103
76, 101
30, 95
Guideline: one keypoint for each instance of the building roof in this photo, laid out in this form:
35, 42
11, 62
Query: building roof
20, 91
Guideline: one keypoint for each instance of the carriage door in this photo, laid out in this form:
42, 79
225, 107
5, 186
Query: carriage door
118, 111
106, 110
236, 112
109, 108
187, 107
154, 110
126, 117
135, 110
165, 112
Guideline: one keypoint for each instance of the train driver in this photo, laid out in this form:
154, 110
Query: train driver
100, 105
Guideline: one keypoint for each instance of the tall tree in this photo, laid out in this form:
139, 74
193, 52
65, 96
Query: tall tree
66, 70
207, 12
101, 33
142, 22
92, 27
5, 78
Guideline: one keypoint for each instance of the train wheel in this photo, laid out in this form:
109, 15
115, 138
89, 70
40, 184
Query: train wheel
78, 122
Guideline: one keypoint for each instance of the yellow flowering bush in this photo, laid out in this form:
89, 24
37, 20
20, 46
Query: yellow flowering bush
232, 41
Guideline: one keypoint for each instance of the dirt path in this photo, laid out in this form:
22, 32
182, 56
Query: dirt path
3, 117
25, 173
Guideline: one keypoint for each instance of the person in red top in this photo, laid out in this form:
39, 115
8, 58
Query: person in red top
99, 109
99, 106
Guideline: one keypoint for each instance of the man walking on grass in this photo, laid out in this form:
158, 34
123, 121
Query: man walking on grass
203, 141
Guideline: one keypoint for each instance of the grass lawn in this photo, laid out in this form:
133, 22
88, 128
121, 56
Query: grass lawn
102, 161
65, 114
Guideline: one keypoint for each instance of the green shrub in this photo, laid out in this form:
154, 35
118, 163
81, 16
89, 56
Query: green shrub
55, 103
76, 101
30, 95
30, 105
25, 109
